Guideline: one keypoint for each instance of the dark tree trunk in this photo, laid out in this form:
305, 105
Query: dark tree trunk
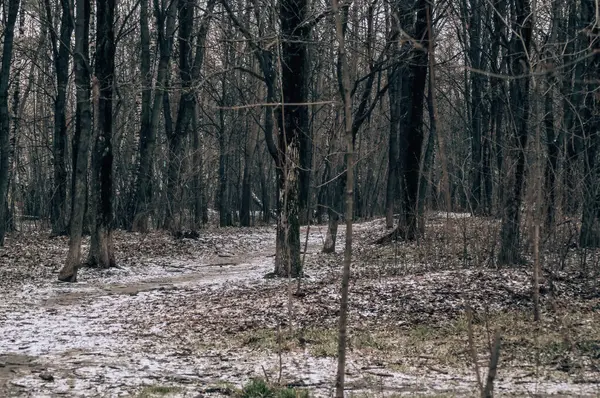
476, 105
143, 192
165, 23
573, 104
395, 78
61, 52
101, 246
225, 216
414, 135
551, 169
198, 195
293, 128
7, 52
249, 150
190, 64
175, 140
83, 131
497, 86
590, 222
519, 94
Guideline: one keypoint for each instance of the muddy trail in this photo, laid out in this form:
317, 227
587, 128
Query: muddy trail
197, 318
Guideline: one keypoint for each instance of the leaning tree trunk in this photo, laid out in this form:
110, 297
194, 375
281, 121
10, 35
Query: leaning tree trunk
519, 105
83, 129
61, 56
101, 247
7, 51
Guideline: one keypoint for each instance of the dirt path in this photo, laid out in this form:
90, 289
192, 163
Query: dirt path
104, 336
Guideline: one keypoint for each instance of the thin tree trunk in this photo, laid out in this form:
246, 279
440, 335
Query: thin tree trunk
344, 80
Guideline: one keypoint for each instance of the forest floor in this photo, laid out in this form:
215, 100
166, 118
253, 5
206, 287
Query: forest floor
192, 318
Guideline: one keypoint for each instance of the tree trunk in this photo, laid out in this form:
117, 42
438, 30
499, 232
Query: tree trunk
344, 84
198, 195
332, 227
414, 136
476, 107
573, 88
225, 216
7, 52
83, 130
249, 150
101, 247
61, 53
292, 126
143, 191
519, 94
590, 222
190, 64
395, 81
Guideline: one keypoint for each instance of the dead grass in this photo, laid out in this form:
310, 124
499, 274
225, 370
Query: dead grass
568, 341
158, 391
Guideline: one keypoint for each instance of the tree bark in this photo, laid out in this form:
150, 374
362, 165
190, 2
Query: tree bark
292, 126
61, 53
190, 64
590, 222
7, 52
83, 130
414, 136
476, 79
101, 246
249, 151
143, 192
165, 24
519, 94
